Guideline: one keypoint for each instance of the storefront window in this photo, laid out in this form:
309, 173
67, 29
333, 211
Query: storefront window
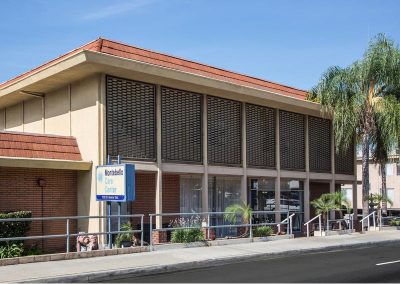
262, 191
292, 200
190, 193
223, 191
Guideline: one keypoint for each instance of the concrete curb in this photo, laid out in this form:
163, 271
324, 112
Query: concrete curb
157, 269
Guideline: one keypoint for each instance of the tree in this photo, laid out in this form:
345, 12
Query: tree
363, 99
376, 200
323, 205
244, 210
341, 202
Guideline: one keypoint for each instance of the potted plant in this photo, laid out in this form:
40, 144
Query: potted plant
125, 239
243, 210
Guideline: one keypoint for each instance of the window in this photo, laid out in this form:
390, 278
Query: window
398, 169
390, 195
389, 169
348, 193
190, 193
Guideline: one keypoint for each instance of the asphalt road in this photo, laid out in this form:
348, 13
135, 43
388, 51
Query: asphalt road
351, 265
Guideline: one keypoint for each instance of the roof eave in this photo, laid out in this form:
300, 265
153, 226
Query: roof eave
18, 162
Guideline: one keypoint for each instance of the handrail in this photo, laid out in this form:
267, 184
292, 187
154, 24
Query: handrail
319, 215
68, 234
350, 219
207, 224
308, 224
286, 220
368, 224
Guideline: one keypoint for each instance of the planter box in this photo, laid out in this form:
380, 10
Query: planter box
273, 238
333, 233
222, 242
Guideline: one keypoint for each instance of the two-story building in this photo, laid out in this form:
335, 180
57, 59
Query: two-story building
201, 138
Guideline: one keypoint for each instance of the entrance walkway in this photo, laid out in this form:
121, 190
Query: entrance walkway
110, 267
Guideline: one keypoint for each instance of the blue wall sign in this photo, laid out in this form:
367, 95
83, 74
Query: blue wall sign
115, 183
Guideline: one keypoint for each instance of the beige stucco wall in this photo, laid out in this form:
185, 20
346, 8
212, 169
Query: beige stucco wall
14, 118
57, 116
33, 115
71, 110
392, 181
2, 119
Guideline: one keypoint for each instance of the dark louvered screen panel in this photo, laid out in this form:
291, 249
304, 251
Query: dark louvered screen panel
224, 131
344, 161
181, 126
260, 138
292, 142
319, 133
131, 124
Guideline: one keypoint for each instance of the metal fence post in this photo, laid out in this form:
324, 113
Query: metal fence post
287, 224
151, 232
142, 230
208, 225
109, 224
68, 235
251, 227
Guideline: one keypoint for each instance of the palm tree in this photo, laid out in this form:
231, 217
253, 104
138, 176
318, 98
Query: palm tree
244, 210
376, 200
323, 205
341, 201
362, 99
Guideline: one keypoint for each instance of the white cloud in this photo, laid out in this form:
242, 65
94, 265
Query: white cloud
116, 9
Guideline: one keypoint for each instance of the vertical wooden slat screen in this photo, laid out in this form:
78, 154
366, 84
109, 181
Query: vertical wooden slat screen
181, 125
224, 131
260, 136
344, 161
319, 135
292, 140
130, 115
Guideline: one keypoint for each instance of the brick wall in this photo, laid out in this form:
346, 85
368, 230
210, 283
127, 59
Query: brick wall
19, 190
145, 199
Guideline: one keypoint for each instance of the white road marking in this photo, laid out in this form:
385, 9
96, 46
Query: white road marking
389, 262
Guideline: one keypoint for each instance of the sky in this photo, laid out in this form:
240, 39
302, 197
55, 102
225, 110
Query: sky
288, 42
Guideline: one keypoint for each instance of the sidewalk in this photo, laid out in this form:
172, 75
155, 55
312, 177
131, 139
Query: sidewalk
112, 267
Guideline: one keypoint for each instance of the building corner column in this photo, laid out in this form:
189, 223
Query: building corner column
307, 180
159, 157
332, 181
243, 191
278, 169
204, 195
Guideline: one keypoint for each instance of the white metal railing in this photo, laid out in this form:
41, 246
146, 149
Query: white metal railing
290, 218
319, 222
373, 213
68, 233
209, 215
339, 221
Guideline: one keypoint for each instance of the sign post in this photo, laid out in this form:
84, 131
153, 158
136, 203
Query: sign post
115, 183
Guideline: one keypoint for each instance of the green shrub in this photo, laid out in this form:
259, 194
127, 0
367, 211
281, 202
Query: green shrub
12, 230
15, 229
11, 250
193, 233
262, 231
394, 222
187, 235
126, 236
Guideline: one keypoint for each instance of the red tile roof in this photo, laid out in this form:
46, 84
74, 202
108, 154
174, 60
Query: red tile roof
27, 145
127, 51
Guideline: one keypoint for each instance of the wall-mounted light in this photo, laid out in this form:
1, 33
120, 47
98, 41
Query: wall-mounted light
41, 182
